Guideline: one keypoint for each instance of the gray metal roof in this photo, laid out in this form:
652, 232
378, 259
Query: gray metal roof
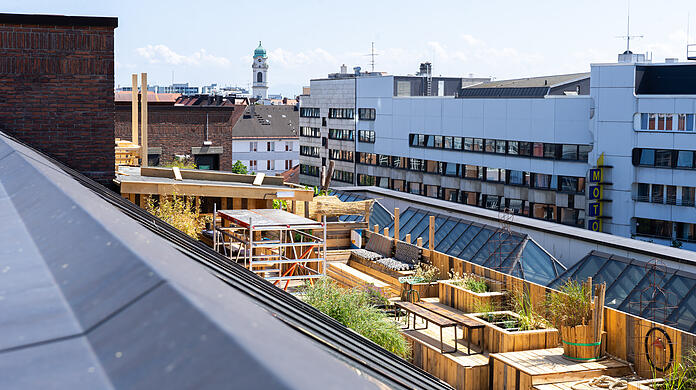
532, 82
90, 298
262, 121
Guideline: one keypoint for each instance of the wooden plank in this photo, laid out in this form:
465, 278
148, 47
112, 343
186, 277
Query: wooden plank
258, 179
134, 109
143, 120
396, 224
431, 233
177, 173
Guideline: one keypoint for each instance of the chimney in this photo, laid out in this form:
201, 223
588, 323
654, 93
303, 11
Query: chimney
344, 69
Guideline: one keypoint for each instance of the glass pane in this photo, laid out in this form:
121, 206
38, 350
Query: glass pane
446, 242
565, 276
665, 304
460, 242
492, 245
425, 233
685, 159
640, 295
623, 285
685, 315
476, 244
610, 272
536, 264
408, 226
419, 230
403, 219
647, 157
503, 254
588, 267
444, 230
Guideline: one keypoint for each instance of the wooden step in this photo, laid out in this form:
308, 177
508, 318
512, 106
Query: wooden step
389, 279
351, 277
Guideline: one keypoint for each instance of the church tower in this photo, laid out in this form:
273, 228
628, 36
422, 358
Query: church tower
260, 69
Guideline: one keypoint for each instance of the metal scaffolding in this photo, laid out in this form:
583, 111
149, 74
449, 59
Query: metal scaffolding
278, 245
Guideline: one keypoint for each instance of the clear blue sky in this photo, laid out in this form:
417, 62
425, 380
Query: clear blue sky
203, 42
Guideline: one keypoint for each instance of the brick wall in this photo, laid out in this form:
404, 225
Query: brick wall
57, 88
178, 128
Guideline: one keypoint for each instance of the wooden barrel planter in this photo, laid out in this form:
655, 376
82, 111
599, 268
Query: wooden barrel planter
502, 335
467, 300
583, 343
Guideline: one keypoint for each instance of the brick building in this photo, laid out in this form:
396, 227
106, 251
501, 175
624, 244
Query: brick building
56, 87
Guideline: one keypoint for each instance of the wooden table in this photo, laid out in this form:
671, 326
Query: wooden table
466, 322
428, 316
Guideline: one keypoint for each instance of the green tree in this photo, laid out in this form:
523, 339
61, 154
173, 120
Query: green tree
240, 168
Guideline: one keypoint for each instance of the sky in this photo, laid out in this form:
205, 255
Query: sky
203, 42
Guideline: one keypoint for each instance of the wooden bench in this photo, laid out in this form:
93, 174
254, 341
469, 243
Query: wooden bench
466, 322
428, 316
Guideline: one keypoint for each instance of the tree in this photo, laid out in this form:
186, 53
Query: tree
239, 167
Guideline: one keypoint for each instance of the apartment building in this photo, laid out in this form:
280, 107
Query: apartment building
610, 150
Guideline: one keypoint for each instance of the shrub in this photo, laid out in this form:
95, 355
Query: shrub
469, 282
571, 306
426, 273
529, 317
181, 163
240, 168
354, 309
178, 211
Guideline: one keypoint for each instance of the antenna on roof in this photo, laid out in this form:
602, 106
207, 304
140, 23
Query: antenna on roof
372, 54
628, 35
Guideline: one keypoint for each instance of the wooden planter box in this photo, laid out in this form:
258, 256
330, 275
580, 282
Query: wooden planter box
644, 384
425, 290
466, 300
498, 339
581, 334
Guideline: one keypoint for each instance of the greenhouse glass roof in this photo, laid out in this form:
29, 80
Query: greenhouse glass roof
509, 252
379, 216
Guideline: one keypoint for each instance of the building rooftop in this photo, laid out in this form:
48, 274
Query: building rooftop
58, 20
532, 82
263, 121
127, 96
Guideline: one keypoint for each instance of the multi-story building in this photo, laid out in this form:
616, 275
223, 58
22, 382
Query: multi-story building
611, 150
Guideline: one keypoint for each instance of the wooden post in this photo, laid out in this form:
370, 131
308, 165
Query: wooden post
134, 111
431, 234
386, 232
143, 119
419, 242
396, 223
408, 238
376, 228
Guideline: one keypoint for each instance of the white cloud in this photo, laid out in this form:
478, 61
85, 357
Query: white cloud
158, 54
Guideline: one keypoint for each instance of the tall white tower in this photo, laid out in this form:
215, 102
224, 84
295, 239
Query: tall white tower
260, 70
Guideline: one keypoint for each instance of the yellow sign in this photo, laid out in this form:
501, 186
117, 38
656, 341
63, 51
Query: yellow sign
596, 195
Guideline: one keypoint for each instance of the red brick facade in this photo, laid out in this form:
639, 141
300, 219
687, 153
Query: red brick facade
56, 88
176, 129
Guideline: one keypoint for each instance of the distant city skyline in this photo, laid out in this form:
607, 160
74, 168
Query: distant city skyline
214, 43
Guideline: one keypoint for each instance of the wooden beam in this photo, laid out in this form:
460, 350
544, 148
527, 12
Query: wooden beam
431, 234
408, 238
386, 232
143, 119
230, 191
177, 173
258, 179
419, 242
396, 223
134, 110
376, 228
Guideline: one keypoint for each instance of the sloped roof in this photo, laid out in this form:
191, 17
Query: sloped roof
379, 215
265, 121
97, 293
531, 82
127, 96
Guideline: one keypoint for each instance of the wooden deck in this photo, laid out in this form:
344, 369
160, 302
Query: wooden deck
524, 369
461, 371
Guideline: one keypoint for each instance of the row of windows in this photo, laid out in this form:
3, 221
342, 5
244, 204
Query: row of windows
340, 113
270, 146
310, 151
310, 170
313, 132
366, 136
570, 152
508, 176
341, 155
667, 122
309, 112
341, 134
664, 158
665, 194
666, 229
565, 215
342, 176
367, 114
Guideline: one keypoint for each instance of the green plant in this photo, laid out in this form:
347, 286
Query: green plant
354, 309
181, 163
240, 168
676, 244
426, 273
280, 204
682, 376
485, 307
178, 211
570, 306
469, 282
529, 317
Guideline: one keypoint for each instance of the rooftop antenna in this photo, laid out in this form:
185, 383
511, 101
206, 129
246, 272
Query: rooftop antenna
628, 35
372, 55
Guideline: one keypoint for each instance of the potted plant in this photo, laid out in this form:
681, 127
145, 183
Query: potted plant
579, 317
466, 292
422, 284
681, 376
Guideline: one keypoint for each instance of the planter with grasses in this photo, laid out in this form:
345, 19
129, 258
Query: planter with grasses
507, 331
579, 317
422, 284
469, 293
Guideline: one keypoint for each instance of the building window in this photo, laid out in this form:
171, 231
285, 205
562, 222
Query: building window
259, 77
500, 147
309, 170
310, 151
341, 113
341, 134
252, 165
525, 148
457, 143
309, 112
366, 136
207, 161
685, 159
656, 193
270, 146
513, 147
399, 162
288, 164
153, 159
495, 174
490, 146
366, 114
477, 145
569, 152
437, 141
342, 176
666, 122
688, 196
538, 149
341, 155
643, 192
653, 228
313, 132
416, 164
253, 146
270, 165
549, 150
414, 188
288, 146
516, 177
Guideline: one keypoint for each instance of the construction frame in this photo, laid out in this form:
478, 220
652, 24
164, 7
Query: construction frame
272, 243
